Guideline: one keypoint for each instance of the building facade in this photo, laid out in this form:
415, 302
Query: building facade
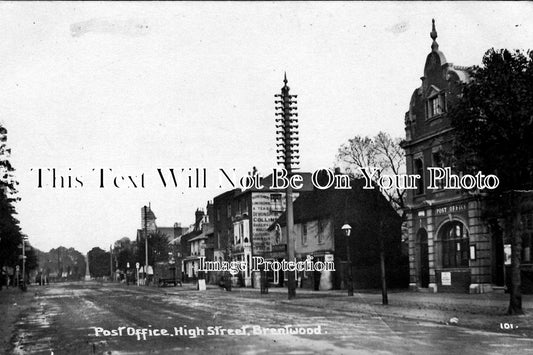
241, 222
451, 246
192, 246
222, 235
318, 219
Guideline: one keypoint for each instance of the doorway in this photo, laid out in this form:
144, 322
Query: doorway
422, 257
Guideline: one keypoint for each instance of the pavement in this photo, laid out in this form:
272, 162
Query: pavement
487, 311
12, 303
69, 318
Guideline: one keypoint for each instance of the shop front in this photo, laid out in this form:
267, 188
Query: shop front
451, 248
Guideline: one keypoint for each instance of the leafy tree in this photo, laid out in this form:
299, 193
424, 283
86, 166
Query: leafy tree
158, 248
79, 266
99, 262
32, 262
124, 252
62, 259
493, 120
382, 152
7, 180
10, 235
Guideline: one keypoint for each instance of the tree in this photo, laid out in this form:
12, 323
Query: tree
158, 248
32, 262
99, 262
382, 152
493, 122
60, 260
123, 250
7, 179
10, 234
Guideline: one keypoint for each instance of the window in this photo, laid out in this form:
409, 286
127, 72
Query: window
438, 162
218, 213
436, 105
437, 159
304, 234
320, 235
419, 170
278, 234
454, 243
275, 202
229, 210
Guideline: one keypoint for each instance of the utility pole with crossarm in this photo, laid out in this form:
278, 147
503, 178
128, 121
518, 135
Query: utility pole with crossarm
287, 150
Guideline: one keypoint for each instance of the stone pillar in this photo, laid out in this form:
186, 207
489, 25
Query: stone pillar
431, 230
413, 274
480, 268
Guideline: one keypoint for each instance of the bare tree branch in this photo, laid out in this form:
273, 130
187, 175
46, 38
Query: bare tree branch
381, 151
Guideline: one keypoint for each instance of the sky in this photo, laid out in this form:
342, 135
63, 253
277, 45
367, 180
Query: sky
134, 87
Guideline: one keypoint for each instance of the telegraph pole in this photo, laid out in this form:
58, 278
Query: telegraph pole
110, 263
24, 238
287, 143
58, 265
381, 217
145, 249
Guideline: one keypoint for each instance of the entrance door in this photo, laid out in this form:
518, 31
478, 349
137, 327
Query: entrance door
423, 258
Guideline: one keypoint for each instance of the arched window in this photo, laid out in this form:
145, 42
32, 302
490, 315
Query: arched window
454, 243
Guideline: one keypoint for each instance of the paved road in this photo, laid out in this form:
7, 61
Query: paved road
79, 318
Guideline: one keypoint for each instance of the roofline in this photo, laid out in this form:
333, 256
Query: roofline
406, 144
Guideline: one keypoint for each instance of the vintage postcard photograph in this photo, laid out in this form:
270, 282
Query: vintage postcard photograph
266, 177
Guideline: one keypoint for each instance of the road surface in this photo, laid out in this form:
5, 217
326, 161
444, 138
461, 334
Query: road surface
107, 318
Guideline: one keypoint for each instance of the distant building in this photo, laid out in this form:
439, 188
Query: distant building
198, 243
173, 235
241, 221
175, 245
148, 222
208, 231
223, 224
192, 245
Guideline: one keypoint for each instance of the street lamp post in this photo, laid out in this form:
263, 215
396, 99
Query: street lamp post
110, 262
127, 273
347, 229
137, 265
145, 249
24, 238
